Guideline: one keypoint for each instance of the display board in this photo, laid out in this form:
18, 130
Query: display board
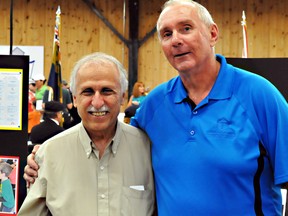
273, 69
14, 79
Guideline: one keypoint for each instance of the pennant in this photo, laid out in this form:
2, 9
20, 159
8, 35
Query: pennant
55, 78
245, 38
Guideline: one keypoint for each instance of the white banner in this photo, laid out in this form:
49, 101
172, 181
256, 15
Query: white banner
35, 53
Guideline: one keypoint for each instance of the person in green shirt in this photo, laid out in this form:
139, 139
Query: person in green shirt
40, 86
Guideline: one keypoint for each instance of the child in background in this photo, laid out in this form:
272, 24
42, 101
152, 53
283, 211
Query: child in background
7, 199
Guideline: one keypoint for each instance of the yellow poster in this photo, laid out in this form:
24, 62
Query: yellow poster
11, 81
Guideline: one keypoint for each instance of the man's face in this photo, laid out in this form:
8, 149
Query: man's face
98, 96
185, 39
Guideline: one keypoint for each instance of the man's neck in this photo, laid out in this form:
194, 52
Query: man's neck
102, 139
198, 85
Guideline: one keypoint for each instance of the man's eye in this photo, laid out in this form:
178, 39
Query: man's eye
166, 34
107, 91
87, 92
187, 28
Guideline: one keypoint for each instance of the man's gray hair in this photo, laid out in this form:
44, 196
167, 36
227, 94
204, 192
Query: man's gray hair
5, 168
99, 57
203, 13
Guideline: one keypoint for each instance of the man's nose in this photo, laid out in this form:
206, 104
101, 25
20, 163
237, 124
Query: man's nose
176, 39
97, 100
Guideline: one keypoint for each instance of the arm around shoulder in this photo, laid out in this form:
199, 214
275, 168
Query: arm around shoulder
35, 201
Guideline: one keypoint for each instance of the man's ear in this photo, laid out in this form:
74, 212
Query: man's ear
122, 99
214, 33
74, 102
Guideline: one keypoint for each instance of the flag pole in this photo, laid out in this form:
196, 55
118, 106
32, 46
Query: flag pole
245, 39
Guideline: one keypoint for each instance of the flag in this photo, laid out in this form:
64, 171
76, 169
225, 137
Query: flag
245, 38
55, 79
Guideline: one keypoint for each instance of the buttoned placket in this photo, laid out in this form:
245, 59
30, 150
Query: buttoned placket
192, 131
103, 184
103, 181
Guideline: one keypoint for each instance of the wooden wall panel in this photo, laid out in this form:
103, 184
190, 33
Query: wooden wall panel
83, 32
259, 35
153, 66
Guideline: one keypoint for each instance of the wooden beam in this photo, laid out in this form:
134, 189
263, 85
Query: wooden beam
93, 7
134, 44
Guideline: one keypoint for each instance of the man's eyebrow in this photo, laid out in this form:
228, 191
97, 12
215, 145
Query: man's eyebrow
183, 22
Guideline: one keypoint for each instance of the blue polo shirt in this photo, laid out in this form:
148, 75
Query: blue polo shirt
226, 156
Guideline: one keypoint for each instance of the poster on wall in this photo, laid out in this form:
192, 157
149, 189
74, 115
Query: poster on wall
11, 81
35, 53
9, 169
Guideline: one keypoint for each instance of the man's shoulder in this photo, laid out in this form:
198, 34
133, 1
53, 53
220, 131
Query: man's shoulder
63, 139
51, 123
159, 93
39, 126
132, 139
165, 86
131, 131
68, 134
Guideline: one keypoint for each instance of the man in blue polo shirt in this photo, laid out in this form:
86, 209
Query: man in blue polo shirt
219, 133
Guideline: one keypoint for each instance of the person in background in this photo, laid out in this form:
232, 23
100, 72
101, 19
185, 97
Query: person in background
40, 81
31, 94
218, 133
75, 118
34, 118
50, 126
7, 200
65, 85
138, 94
137, 97
66, 101
103, 164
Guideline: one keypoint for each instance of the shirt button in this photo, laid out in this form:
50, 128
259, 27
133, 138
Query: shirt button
102, 168
195, 112
103, 196
192, 132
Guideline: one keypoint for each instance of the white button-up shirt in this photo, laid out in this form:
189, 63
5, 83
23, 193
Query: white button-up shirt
72, 180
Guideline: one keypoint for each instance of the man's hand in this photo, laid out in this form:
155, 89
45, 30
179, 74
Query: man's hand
31, 169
